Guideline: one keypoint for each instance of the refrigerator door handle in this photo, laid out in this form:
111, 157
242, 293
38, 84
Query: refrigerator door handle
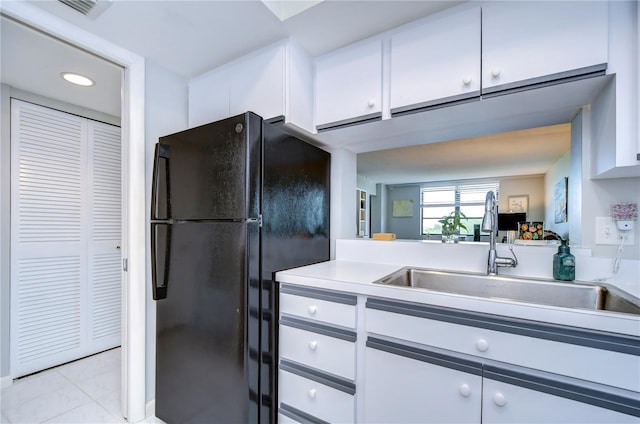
162, 153
160, 290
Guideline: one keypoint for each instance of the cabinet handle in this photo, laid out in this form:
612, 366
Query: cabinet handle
465, 390
495, 72
312, 309
371, 103
482, 345
313, 345
499, 399
312, 394
467, 80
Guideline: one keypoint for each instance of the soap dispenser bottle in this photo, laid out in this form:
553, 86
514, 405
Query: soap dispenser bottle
564, 263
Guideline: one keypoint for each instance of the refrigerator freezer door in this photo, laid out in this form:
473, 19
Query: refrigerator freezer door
209, 172
204, 369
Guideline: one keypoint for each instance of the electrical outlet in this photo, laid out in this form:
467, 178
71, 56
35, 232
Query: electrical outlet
607, 232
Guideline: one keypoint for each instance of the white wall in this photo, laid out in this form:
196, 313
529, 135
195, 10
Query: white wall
403, 227
343, 195
599, 194
166, 112
530, 185
6, 93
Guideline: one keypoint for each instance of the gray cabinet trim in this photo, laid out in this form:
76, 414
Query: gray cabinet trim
425, 355
545, 81
331, 380
331, 296
315, 327
629, 405
472, 96
559, 333
377, 116
298, 415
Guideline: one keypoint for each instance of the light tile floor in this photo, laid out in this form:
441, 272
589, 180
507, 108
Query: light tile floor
85, 391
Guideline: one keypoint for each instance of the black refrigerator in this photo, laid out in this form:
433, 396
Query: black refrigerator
232, 202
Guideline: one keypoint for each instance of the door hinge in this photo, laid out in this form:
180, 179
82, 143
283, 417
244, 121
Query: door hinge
257, 220
125, 264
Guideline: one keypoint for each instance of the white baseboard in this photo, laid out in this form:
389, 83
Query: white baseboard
8, 381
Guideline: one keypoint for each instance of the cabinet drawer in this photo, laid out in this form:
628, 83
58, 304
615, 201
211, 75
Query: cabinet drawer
316, 399
319, 351
556, 349
319, 305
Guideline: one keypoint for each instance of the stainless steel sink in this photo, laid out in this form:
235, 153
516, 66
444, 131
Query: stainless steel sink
546, 292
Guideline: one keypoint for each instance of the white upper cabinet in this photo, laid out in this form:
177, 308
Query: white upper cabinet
614, 113
348, 85
271, 82
534, 42
436, 61
257, 83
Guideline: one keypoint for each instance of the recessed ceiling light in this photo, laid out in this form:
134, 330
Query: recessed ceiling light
77, 79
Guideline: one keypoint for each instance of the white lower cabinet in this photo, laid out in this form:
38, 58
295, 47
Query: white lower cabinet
315, 399
317, 356
346, 357
408, 386
422, 360
505, 403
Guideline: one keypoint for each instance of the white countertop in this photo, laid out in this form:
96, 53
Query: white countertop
357, 276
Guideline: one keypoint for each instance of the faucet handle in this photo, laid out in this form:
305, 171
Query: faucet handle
515, 258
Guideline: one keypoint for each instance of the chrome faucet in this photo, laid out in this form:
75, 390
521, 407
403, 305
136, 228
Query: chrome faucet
490, 225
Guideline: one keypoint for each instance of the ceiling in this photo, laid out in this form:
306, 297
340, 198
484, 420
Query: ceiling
33, 61
522, 152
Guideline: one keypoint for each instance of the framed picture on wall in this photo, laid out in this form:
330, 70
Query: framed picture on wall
519, 203
402, 208
560, 201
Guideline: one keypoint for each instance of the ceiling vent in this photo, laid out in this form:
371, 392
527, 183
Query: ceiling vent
90, 8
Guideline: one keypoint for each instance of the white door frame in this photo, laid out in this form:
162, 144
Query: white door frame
133, 201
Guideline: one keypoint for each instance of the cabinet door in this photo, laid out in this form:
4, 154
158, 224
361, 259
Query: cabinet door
401, 389
349, 85
437, 61
530, 42
257, 83
507, 403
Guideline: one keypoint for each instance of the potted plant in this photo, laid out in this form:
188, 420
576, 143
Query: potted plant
451, 225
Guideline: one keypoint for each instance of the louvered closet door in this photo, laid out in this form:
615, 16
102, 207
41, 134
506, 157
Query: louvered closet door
104, 237
65, 283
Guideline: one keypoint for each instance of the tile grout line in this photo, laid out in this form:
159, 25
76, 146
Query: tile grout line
93, 400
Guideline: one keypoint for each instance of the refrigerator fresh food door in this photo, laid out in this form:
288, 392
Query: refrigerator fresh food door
211, 172
295, 232
205, 369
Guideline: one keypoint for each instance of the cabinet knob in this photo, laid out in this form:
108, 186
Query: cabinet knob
499, 399
313, 345
465, 390
312, 394
371, 102
312, 309
495, 72
467, 80
482, 345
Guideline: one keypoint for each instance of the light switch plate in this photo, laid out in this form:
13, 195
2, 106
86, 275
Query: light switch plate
607, 232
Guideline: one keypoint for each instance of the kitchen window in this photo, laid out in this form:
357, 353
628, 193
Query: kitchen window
437, 201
